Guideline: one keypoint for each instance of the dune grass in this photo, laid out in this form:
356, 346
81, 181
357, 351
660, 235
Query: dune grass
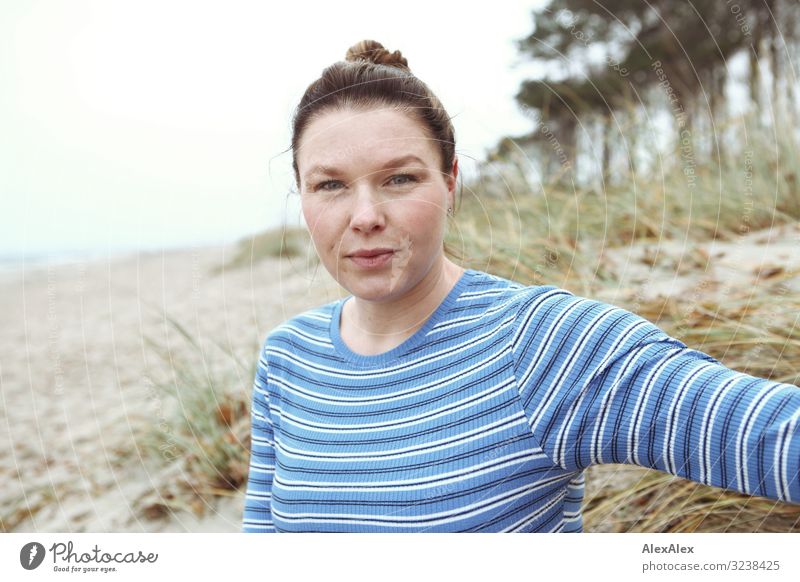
280, 243
554, 231
202, 441
653, 501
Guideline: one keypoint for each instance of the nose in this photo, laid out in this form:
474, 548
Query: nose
368, 210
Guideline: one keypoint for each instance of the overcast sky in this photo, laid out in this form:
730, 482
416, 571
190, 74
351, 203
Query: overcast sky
149, 124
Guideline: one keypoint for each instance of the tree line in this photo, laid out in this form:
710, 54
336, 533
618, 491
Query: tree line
609, 64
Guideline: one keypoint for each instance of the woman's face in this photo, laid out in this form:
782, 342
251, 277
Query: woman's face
370, 181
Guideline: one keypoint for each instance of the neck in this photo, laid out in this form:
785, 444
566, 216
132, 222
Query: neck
382, 326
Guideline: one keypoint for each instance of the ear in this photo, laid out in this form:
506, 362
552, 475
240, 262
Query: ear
452, 180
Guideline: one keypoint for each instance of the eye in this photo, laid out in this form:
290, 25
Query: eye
321, 186
405, 179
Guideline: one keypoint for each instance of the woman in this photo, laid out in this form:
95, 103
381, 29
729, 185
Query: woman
440, 399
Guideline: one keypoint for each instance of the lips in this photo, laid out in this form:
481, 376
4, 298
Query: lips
371, 252
372, 259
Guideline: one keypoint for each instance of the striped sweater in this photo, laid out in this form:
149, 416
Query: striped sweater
485, 419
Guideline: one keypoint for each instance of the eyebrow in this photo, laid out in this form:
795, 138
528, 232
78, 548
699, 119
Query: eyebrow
395, 163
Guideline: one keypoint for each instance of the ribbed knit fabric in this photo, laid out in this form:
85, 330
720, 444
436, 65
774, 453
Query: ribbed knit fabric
484, 419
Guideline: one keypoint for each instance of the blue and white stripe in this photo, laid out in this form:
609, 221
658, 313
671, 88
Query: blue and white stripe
485, 419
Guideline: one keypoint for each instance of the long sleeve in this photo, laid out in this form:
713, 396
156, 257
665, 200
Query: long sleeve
257, 514
600, 384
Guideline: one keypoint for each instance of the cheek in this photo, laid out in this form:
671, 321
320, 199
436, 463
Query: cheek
423, 216
322, 224
313, 213
309, 212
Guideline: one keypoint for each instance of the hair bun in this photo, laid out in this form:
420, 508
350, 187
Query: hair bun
373, 52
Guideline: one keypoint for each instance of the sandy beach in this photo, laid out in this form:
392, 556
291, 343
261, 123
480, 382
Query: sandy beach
77, 375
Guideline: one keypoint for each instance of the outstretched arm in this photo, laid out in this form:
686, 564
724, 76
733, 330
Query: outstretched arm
602, 385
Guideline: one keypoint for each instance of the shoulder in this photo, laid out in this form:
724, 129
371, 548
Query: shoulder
570, 322
550, 311
512, 296
312, 325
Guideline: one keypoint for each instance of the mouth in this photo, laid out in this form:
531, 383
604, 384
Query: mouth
373, 258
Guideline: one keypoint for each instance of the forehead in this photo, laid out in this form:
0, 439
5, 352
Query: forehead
344, 137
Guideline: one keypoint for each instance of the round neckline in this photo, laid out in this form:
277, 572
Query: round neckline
366, 361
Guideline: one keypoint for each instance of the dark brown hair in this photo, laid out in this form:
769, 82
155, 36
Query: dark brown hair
370, 76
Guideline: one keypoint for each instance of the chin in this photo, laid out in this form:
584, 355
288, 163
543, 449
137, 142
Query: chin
375, 289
